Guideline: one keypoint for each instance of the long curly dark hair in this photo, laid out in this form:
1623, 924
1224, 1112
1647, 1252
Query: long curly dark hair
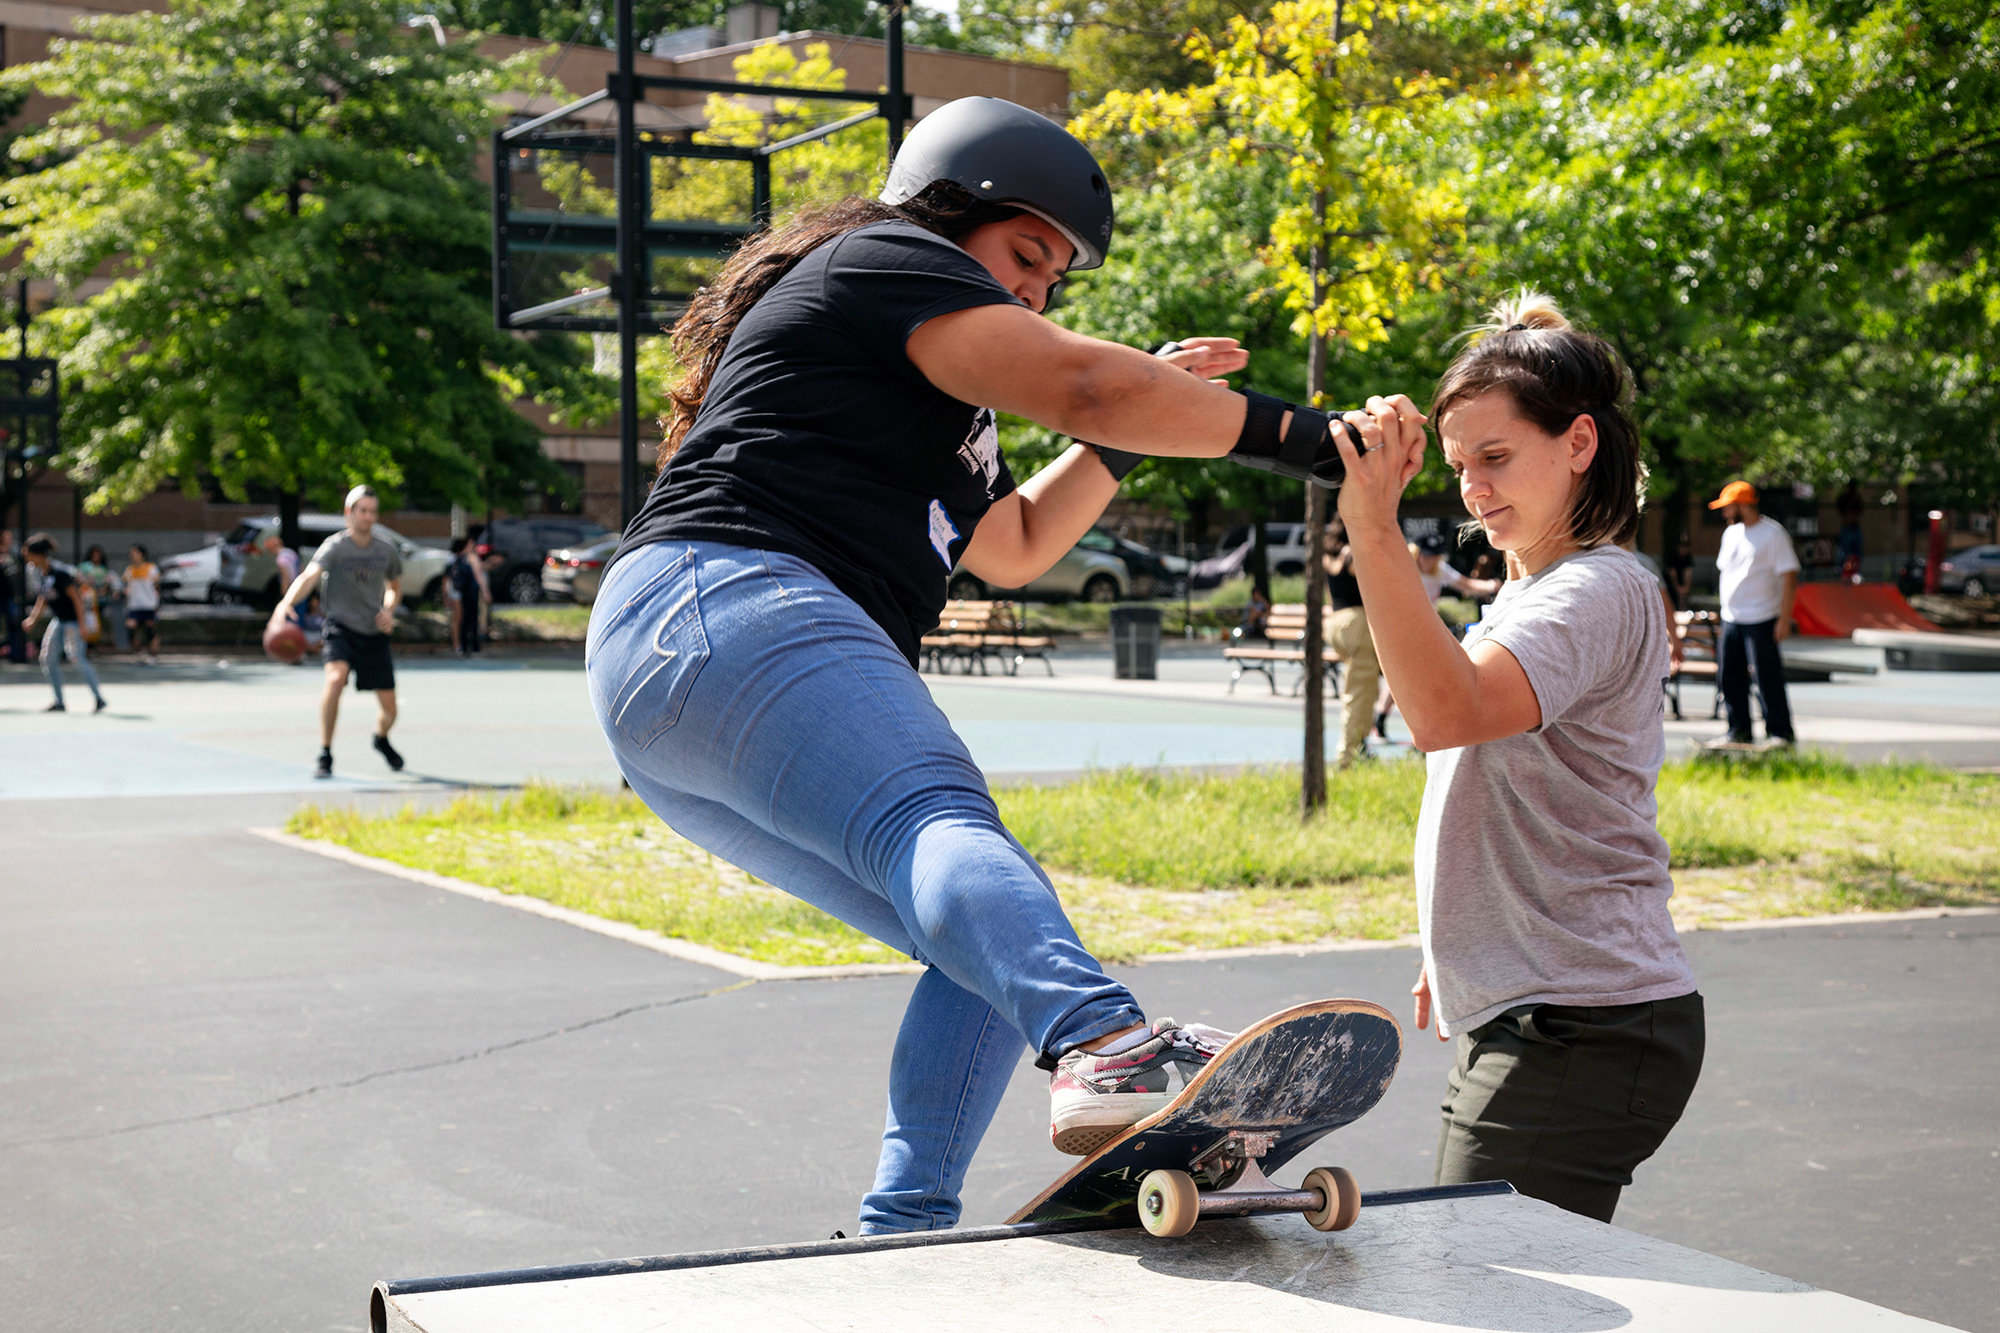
702, 334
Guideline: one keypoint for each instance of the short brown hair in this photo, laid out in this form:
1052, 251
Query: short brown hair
1555, 374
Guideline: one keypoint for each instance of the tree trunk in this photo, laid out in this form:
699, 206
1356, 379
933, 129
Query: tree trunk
1312, 789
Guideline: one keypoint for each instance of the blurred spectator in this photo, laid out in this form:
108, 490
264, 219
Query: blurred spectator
1347, 634
1488, 569
62, 596
104, 599
1680, 573
486, 561
1437, 575
10, 606
1256, 616
142, 604
465, 589
287, 558
1848, 546
1760, 580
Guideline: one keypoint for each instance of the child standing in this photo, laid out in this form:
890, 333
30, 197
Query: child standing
142, 604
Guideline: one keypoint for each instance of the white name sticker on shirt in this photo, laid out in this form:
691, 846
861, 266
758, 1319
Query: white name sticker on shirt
943, 533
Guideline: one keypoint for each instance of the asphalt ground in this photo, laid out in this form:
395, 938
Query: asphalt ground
243, 1082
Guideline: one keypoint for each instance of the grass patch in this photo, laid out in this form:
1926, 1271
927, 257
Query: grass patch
542, 620
1152, 862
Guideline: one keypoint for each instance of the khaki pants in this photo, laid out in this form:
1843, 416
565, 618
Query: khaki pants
1347, 634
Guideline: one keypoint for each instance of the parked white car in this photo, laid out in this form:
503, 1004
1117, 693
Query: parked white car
191, 575
1284, 546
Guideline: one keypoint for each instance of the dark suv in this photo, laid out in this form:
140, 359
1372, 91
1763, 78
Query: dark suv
522, 544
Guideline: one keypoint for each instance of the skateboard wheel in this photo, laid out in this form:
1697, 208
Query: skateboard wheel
1168, 1203
1343, 1198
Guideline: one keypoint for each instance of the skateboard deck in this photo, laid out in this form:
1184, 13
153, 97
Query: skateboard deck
1281, 1085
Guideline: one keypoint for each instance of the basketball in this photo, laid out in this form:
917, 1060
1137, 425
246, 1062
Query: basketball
284, 642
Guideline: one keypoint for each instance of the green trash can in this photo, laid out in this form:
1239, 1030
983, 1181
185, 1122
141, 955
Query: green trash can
1135, 642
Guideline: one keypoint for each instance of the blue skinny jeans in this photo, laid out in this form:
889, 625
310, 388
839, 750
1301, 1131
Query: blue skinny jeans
763, 716
62, 632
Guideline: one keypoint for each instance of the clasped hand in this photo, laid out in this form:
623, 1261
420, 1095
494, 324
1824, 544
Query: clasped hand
1393, 430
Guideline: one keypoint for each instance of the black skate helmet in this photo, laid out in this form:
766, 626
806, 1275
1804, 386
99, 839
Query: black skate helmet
1006, 154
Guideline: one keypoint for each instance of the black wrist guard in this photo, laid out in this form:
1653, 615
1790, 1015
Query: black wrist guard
1117, 462
1305, 452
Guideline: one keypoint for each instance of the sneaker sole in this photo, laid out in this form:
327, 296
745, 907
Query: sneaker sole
1081, 1128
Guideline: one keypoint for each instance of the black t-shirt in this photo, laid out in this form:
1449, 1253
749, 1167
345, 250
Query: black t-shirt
819, 438
1343, 590
55, 587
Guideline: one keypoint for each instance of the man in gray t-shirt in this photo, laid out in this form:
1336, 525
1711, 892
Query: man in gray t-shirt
1540, 875
360, 577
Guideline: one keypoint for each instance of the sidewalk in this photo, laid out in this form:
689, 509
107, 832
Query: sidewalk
217, 726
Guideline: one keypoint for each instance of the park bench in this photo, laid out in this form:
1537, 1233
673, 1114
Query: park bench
1700, 657
1284, 639
969, 633
1701, 654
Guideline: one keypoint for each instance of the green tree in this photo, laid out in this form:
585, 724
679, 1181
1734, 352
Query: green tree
1359, 232
595, 23
1784, 217
281, 199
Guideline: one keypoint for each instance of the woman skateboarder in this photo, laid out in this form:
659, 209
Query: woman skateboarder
1542, 884
831, 455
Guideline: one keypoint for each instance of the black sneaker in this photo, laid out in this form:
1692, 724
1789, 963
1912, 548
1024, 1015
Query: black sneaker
324, 768
388, 752
56, 707
101, 705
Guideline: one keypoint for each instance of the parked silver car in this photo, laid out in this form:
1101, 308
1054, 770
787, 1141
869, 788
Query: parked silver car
249, 573
1975, 571
571, 573
1092, 575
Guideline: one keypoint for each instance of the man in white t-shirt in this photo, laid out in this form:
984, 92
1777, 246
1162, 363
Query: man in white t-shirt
1760, 579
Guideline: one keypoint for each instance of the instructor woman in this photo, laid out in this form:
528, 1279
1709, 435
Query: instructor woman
830, 456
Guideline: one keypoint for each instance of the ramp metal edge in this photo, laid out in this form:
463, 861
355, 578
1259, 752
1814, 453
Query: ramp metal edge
378, 1311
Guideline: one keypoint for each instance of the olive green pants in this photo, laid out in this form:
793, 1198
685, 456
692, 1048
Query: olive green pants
1562, 1103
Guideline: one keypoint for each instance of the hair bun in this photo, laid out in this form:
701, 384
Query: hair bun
1525, 309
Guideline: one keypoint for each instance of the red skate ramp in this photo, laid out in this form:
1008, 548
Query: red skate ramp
1836, 610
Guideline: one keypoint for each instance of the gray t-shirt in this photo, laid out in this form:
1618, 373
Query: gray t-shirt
353, 577
1540, 875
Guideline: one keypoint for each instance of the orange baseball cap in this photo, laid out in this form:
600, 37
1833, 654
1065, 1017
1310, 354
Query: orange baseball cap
1736, 493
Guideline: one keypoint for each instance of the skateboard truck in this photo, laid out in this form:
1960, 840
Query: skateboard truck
1170, 1202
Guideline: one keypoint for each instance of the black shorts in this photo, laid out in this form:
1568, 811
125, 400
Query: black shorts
367, 656
145, 617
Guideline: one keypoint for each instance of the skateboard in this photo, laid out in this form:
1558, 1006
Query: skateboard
1278, 1087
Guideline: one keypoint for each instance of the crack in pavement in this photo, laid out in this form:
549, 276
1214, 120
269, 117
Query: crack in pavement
446, 1062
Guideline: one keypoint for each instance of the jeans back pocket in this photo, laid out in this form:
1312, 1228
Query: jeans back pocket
645, 662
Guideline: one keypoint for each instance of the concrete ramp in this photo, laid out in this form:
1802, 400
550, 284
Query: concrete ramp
1836, 610
1416, 1260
